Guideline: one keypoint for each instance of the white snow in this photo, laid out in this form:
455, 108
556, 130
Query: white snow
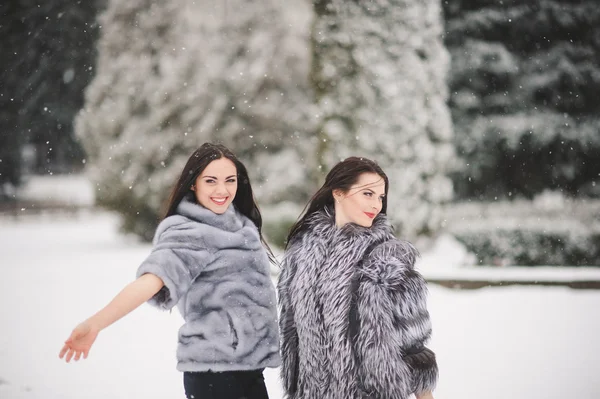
511, 342
515, 273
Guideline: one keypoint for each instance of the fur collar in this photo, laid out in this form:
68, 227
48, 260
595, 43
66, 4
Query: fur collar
322, 223
231, 220
213, 230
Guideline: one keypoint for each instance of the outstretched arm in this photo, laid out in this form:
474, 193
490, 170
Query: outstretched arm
131, 297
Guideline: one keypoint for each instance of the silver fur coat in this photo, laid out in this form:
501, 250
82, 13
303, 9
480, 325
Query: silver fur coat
353, 328
216, 270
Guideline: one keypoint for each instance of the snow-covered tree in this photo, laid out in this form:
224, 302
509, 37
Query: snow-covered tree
525, 78
378, 72
172, 75
47, 53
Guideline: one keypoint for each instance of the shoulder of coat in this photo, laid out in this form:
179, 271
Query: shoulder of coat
393, 252
171, 224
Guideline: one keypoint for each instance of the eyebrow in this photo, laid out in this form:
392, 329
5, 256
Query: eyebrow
368, 189
214, 178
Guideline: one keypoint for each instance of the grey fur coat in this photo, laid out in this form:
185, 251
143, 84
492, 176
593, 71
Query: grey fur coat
217, 271
352, 327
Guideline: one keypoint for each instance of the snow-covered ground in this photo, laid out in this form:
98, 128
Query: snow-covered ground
514, 342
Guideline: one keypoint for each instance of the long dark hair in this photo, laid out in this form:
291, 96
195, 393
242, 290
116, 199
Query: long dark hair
341, 177
244, 198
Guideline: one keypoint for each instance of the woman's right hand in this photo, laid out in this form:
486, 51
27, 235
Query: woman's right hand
80, 342
130, 297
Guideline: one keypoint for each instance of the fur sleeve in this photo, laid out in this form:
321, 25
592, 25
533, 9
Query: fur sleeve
176, 262
395, 323
289, 335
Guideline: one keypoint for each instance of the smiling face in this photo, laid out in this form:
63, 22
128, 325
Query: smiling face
216, 186
361, 203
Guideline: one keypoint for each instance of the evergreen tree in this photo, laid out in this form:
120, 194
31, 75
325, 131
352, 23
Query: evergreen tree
172, 75
379, 72
47, 60
524, 80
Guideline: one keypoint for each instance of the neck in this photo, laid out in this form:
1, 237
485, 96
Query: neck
340, 221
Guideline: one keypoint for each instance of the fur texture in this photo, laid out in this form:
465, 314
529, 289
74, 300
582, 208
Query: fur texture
319, 359
217, 271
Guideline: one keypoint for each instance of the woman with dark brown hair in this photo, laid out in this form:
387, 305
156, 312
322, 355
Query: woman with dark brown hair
354, 317
210, 259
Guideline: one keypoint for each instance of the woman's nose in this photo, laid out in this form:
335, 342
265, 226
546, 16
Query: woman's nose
377, 205
221, 188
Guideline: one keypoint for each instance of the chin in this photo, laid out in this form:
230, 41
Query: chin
219, 210
368, 223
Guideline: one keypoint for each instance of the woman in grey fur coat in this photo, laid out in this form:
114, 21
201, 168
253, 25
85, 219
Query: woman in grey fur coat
208, 258
353, 319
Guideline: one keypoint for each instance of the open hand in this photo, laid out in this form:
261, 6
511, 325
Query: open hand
80, 342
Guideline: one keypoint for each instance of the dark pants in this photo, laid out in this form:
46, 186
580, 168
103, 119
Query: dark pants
225, 385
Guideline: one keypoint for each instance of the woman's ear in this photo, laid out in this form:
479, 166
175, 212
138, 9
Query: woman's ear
338, 195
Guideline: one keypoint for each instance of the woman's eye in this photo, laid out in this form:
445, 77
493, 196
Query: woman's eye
368, 194
231, 181
210, 181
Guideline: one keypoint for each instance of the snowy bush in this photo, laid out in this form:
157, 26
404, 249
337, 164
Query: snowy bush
537, 243
551, 230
